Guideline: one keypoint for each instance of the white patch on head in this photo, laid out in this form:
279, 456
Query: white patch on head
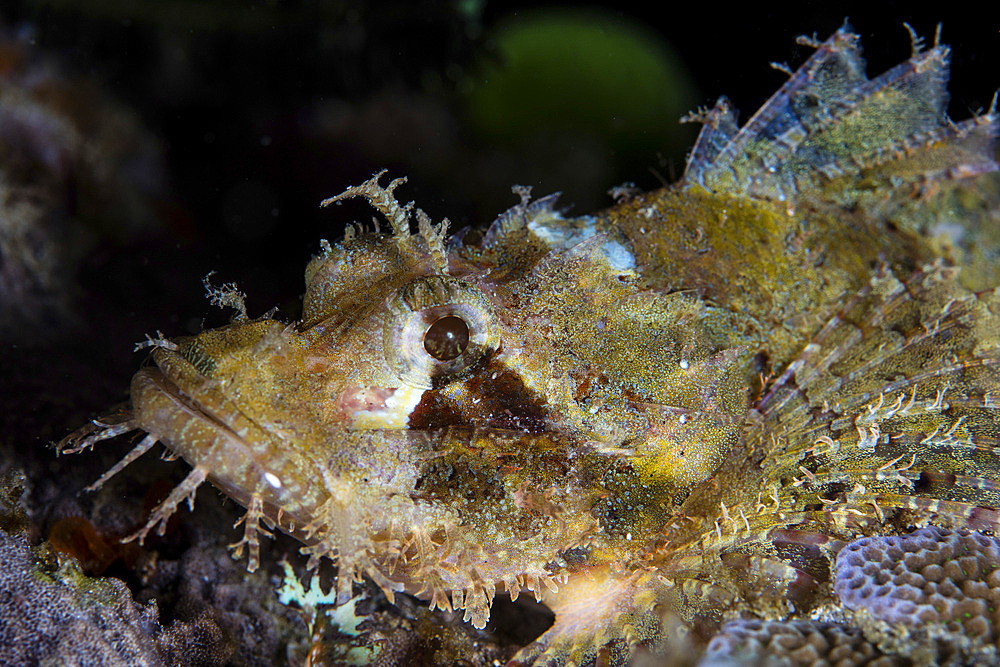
564, 236
393, 413
272, 479
619, 258
950, 230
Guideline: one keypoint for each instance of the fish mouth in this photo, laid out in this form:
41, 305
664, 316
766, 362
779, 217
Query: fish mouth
174, 415
337, 494
189, 414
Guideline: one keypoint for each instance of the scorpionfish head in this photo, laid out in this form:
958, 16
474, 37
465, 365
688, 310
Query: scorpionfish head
452, 414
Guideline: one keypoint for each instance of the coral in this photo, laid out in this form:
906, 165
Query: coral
192, 605
931, 576
368, 630
755, 642
388, 639
12, 514
65, 618
245, 609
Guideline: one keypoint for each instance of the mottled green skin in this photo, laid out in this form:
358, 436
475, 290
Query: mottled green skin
672, 412
804, 260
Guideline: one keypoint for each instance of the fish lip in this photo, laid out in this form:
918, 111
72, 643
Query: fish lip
187, 427
161, 406
164, 385
189, 424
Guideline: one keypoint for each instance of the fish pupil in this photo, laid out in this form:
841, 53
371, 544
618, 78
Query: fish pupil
447, 338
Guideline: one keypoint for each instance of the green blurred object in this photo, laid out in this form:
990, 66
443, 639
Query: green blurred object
585, 72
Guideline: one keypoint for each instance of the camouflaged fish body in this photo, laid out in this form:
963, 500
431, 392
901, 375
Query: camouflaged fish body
655, 418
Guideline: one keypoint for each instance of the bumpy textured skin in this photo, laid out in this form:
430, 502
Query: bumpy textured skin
656, 418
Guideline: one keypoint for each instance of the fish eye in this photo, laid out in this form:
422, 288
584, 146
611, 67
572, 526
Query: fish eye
447, 338
437, 329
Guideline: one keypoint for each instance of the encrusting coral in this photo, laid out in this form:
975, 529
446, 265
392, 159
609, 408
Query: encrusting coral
935, 591
52, 613
755, 642
933, 576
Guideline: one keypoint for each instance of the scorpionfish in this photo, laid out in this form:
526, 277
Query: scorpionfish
664, 415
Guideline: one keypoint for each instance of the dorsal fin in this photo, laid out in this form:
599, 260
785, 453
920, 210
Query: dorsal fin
830, 122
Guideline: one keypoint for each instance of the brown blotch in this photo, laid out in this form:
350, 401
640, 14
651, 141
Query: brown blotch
503, 401
79, 538
435, 411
